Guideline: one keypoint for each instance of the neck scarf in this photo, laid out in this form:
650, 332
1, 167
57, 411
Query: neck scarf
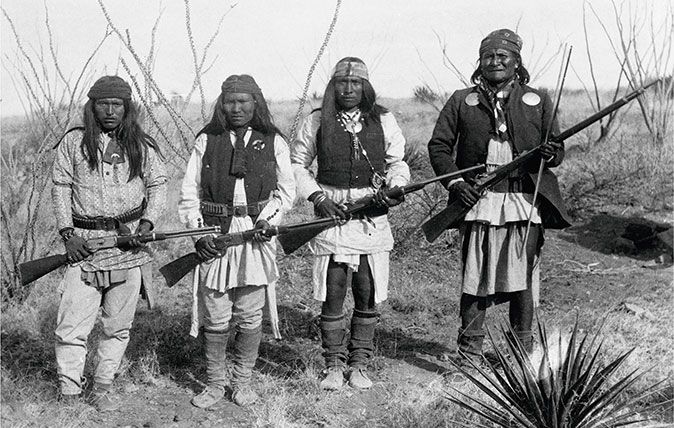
497, 99
238, 167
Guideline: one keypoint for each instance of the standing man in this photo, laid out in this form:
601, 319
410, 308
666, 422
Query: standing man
238, 177
492, 122
109, 177
359, 148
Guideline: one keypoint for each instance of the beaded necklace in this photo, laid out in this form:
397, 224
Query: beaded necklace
352, 124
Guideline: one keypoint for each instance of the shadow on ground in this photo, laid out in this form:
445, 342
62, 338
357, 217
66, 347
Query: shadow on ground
635, 237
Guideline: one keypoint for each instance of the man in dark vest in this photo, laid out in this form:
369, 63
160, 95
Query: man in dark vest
238, 177
492, 122
109, 178
359, 148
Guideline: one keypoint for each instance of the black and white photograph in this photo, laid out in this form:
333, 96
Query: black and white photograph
337, 213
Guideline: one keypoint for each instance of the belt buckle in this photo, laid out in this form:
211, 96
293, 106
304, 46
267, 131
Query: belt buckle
240, 210
107, 223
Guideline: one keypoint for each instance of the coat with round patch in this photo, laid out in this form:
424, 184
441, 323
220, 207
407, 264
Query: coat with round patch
466, 124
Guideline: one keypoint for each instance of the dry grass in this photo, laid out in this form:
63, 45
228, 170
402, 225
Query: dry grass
625, 176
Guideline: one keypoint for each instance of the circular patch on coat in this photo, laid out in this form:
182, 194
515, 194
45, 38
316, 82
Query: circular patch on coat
531, 99
471, 99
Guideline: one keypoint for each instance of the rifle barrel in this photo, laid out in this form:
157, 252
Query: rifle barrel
421, 184
601, 113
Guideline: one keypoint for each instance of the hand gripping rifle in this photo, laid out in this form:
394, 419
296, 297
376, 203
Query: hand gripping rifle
292, 236
34, 269
456, 210
292, 241
174, 271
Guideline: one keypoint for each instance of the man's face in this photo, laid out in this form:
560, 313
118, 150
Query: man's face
498, 65
109, 112
348, 92
239, 108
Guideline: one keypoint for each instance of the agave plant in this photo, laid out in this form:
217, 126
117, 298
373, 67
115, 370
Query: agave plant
569, 388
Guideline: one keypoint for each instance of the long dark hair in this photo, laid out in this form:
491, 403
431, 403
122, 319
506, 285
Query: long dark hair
262, 120
130, 136
521, 73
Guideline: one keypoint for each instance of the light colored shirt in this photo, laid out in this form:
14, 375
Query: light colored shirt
106, 191
499, 208
348, 241
282, 199
251, 263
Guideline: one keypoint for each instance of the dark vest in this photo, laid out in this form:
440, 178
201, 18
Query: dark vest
336, 165
217, 185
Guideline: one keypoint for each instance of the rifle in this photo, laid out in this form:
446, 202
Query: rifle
293, 236
456, 210
34, 269
174, 271
292, 241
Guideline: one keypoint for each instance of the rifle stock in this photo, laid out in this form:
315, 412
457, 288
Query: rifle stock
446, 218
35, 269
178, 268
454, 211
293, 240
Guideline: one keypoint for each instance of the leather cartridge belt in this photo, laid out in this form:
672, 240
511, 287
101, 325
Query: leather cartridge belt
225, 210
109, 223
513, 185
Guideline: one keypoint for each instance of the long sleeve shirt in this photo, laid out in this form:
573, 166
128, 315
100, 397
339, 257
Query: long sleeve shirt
345, 243
190, 193
106, 191
251, 263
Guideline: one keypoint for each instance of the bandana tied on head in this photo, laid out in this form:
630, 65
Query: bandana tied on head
502, 39
110, 87
243, 84
351, 66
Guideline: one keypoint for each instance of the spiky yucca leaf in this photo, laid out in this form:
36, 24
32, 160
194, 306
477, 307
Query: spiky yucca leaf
569, 388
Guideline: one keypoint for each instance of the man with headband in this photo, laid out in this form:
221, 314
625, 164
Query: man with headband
109, 177
359, 150
492, 122
238, 177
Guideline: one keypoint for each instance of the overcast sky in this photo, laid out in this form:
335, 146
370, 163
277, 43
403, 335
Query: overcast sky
277, 41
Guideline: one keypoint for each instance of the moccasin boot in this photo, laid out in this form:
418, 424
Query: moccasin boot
470, 344
359, 379
209, 396
334, 379
244, 395
333, 340
361, 344
215, 350
101, 398
244, 355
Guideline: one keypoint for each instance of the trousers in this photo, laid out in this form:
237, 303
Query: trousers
77, 313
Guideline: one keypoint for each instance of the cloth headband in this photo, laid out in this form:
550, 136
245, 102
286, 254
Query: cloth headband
110, 87
243, 84
502, 39
351, 68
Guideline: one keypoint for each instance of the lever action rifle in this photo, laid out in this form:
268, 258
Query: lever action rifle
174, 271
292, 236
456, 210
34, 269
292, 241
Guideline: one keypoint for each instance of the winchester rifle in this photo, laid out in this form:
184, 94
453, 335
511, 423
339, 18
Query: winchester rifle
456, 210
293, 236
292, 241
174, 271
34, 269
